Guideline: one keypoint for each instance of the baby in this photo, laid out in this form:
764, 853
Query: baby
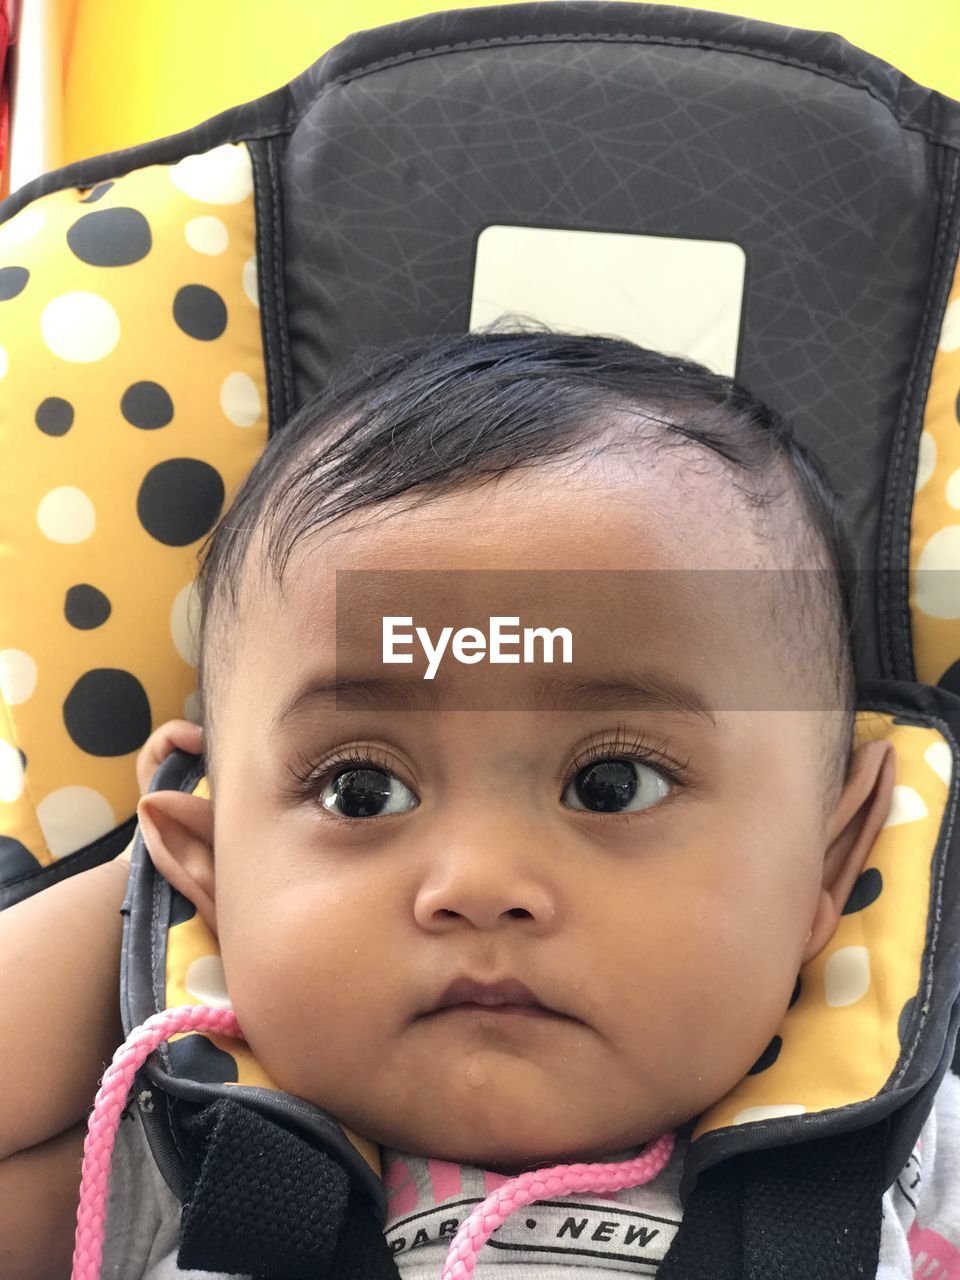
497, 918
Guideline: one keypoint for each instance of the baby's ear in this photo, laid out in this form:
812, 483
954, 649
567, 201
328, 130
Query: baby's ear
178, 831
852, 828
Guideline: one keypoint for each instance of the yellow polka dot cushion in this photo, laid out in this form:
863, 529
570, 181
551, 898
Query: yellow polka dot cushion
771, 201
133, 403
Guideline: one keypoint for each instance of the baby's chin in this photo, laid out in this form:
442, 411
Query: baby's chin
508, 1133
513, 1157
499, 1109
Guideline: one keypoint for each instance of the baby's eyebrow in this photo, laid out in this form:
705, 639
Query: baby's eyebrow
372, 693
647, 690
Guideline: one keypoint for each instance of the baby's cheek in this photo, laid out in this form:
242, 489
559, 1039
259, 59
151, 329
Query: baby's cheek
304, 996
705, 1005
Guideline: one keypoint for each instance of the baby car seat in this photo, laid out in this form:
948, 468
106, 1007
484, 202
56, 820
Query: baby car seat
771, 201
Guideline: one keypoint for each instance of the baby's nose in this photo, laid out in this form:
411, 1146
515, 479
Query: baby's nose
486, 897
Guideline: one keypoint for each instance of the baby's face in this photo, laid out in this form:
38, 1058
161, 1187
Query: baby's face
664, 935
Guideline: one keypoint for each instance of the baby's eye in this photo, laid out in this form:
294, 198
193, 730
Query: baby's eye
616, 786
366, 792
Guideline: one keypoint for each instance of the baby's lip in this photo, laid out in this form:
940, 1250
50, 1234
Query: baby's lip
505, 991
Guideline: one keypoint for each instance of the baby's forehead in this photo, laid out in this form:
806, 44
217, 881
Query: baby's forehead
647, 507
671, 518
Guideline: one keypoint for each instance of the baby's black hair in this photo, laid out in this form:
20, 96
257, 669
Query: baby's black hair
431, 416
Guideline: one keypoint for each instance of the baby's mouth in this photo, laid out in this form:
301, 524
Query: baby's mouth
507, 996
516, 1010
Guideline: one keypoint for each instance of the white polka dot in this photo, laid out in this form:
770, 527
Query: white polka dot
906, 805
940, 759
22, 226
80, 327
220, 176
937, 580
240, 399
193, 707
953, 491
207, 982
250, 280
185, 624
73, 817
66, 515
11, 773
846, 976
950, 333
207, 235
773, 1112
18, 676
4, 362
926, 459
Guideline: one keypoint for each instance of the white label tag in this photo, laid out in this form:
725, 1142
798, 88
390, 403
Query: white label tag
683, 297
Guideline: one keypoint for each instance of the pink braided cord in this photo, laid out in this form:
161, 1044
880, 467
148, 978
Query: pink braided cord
103, 1123
561, 1180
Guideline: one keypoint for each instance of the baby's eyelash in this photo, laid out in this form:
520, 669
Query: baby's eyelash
308, 776
637, 746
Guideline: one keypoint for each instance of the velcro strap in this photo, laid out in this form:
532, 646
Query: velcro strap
268, 1203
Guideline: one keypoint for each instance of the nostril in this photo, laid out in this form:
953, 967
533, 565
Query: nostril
517, 913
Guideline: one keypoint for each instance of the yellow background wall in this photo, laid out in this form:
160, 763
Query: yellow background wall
136, 69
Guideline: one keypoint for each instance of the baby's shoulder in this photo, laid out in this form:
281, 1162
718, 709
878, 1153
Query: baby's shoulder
939, 1158
920, 1233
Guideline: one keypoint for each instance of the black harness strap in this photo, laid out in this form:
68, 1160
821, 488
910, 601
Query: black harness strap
269, 1203
809, 1209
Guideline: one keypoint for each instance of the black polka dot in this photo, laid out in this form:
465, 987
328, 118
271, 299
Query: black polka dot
181, 909
98, 192
797, 988
950, 680
110, 237
903, 1022
16, 861
200, 312
868, 888
769, 1056
13, 280
85, 607
146, 405
54, 416
107, 712
531, 1222
180, 500
197, 1058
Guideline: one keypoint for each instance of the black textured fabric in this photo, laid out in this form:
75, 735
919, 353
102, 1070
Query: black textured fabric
362, 1252
268, 1203
811, 1209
